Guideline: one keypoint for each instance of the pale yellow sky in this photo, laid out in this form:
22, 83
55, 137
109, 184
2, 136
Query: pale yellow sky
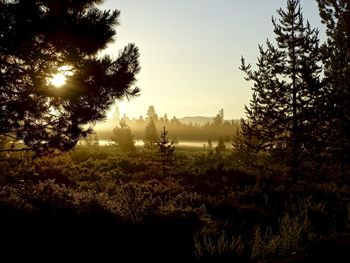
191, 49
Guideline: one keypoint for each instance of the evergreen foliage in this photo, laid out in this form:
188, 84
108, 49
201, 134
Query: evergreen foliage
92, 139
151, 114
286, 91
336, 58
151, 135
123, 137
37, 39
221, 145
166, 148
219, 118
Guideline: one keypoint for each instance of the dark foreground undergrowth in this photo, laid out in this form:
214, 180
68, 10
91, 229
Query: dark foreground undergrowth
97, 204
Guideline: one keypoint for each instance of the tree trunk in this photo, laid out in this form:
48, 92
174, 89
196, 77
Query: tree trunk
295, 135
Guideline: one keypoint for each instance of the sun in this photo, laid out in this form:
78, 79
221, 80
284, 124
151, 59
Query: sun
60, 77
58, 80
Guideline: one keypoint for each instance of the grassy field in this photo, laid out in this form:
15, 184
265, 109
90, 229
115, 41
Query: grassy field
99, 203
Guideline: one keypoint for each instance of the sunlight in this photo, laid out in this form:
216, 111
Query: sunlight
119, 109
58, 80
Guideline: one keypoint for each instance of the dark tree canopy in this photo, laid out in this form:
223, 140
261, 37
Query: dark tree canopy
287, 89
37, 38
335, 15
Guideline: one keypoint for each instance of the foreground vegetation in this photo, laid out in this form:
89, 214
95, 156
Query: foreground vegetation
205, 206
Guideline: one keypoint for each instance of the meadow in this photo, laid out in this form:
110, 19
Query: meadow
205, 206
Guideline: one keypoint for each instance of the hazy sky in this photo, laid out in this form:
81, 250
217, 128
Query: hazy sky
191, 49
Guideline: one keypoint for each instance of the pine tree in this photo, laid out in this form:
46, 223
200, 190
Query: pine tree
175, 121
92, 139
123, 137
164, 119
210, 144
335, 15
286, 89
37, 40
151, 135
219, 119
221, 146
115, 113
151, 113
166, 149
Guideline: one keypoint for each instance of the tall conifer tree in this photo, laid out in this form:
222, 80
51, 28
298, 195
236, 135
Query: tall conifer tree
286, 89
335, 15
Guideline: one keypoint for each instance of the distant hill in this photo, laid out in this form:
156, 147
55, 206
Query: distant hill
201, 120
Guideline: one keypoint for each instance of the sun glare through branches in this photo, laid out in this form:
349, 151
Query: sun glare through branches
59, 79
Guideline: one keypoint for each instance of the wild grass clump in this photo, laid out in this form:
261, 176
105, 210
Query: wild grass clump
289, 239
211, 245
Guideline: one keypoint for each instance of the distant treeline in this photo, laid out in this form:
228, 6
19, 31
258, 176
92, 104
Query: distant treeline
212, 130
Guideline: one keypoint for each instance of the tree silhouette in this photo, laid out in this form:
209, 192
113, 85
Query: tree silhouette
336, 57
164, 119
123, 137
92, 139
151, 113
286, 88
116, 113
221, 146
37, 39
166, 149
175, 121
151, 135
210, 144
219, 118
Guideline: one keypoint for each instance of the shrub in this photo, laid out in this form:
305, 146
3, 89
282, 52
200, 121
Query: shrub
212, 244
289, 239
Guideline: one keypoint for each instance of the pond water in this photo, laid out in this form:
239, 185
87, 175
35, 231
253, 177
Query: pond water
192, 144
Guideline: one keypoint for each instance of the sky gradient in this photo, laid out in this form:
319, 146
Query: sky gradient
191, 49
